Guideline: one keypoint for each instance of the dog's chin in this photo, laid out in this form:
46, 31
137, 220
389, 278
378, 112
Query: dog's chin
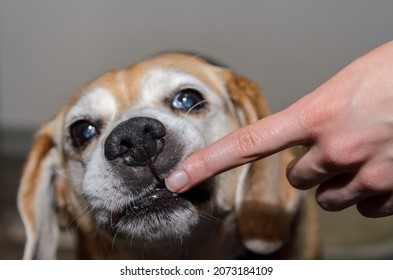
157, 216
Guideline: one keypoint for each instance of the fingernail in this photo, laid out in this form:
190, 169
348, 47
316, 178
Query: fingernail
176, 181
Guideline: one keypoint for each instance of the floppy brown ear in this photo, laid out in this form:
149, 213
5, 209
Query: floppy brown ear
36, 197
266, 203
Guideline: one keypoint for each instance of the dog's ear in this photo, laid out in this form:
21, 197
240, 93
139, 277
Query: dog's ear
36, 197
266, 203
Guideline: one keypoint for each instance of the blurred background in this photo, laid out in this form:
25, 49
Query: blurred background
48, 49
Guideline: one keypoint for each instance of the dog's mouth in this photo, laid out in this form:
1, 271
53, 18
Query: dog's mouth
158, 213
162, 200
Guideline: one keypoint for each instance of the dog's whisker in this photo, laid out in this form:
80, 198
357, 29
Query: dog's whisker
183, 249
196, 105
114, 239
210, 217
65, 176
73, 221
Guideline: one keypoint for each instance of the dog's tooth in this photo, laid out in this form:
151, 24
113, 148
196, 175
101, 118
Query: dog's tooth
175, 194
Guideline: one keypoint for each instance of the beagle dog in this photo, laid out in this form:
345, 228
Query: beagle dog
97, 169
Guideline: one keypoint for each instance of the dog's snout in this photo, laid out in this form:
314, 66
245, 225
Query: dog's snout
136, 141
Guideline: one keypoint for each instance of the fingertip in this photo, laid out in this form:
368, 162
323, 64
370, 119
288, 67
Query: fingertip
177, 181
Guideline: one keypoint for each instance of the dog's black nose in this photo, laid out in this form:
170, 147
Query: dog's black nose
136, 141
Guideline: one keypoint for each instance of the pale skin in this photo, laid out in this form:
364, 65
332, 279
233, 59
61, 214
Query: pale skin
346, 128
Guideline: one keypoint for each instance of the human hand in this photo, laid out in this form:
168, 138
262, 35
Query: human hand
346, 127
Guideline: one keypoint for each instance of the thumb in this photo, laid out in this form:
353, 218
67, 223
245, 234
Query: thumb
247, 144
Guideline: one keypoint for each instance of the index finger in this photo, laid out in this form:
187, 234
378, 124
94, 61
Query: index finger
247, 144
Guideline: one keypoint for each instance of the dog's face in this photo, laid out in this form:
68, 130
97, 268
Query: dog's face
130, 128
100, 164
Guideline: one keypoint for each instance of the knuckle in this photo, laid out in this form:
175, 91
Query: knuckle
366, 211
370, 180
330, 200
292, 180
337, 155
332, 156
365, 182
295, 179
301, 174
376, 206
328, 204
245, 143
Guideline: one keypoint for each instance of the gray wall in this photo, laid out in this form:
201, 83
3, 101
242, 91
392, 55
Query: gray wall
50, 48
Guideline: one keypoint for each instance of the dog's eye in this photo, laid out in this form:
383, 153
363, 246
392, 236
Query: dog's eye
82, 132
188, 100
